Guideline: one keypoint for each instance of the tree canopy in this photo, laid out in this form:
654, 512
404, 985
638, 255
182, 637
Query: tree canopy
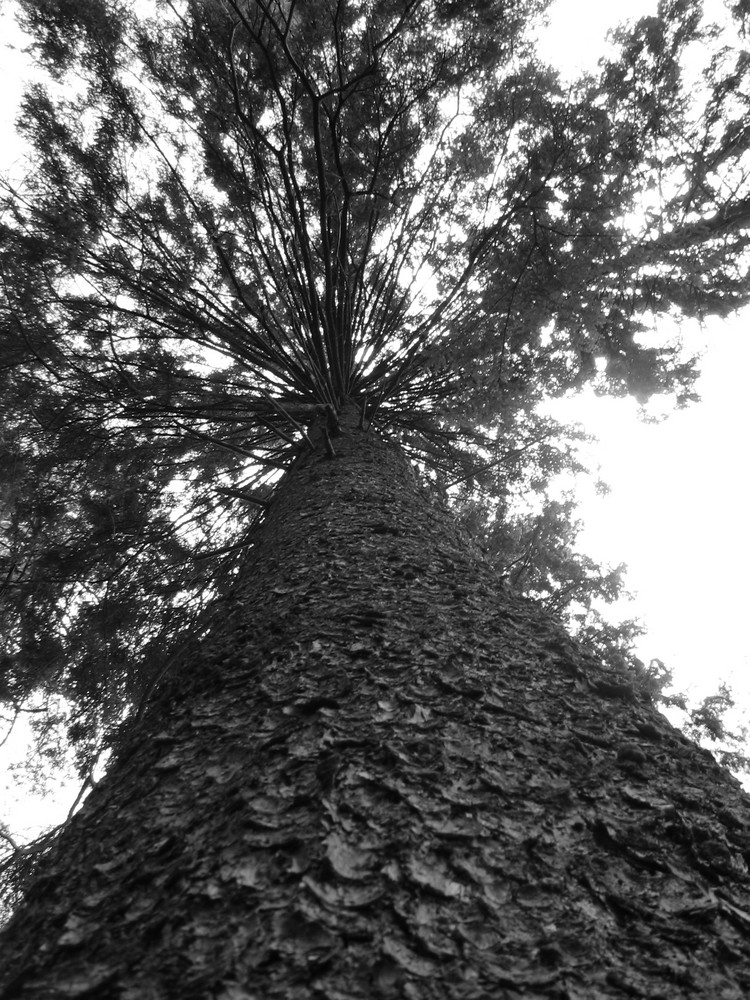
239, 213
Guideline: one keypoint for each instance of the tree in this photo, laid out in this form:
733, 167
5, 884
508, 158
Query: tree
266, 257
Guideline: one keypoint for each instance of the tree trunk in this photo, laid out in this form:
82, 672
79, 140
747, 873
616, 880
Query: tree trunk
384, 775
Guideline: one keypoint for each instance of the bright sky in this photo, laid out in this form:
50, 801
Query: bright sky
677, 515
677, 512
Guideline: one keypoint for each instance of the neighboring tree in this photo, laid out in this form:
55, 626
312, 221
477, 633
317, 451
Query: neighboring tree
268, 255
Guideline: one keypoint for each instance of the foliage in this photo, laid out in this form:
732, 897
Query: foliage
239, 213
713, 723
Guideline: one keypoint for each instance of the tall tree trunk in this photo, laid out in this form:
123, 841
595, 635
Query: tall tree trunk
386, 776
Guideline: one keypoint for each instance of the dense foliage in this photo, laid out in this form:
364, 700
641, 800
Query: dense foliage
238, 213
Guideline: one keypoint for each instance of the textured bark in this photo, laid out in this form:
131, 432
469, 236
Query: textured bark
386, 776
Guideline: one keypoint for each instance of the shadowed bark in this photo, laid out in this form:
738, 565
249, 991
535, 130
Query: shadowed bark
384, 775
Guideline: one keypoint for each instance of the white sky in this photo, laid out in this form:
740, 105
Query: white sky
677, 513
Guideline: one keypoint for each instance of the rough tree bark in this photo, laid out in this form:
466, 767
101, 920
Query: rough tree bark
384, 775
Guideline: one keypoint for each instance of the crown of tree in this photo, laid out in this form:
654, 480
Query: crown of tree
243, 213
